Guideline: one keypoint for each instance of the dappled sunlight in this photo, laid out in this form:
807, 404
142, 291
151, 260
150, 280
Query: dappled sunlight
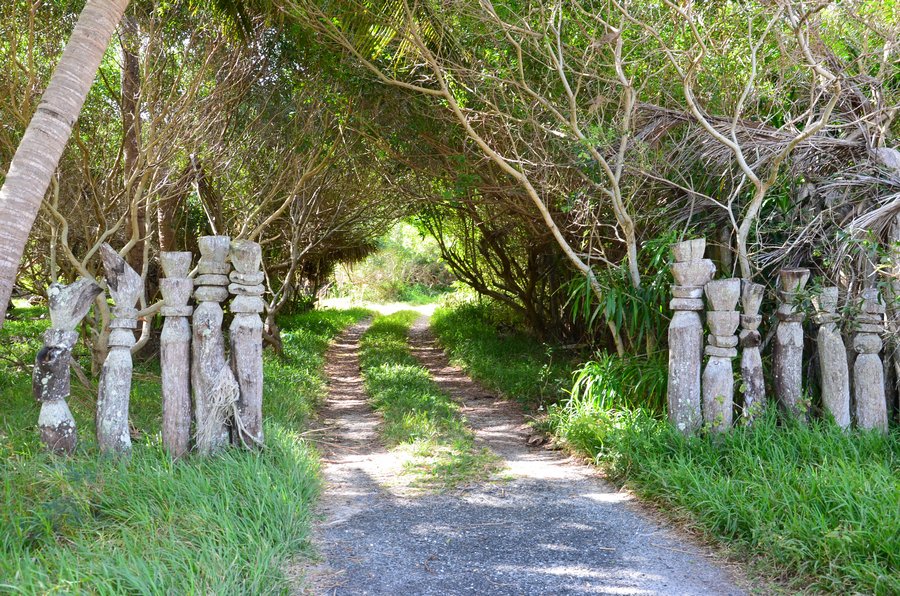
543, 523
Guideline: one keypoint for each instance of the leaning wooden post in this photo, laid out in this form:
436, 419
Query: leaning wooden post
215, 389
175, 351
833, 369
718, 376
752, 378
50, 382
788, 351
246, 339
125, 287
691, 272
868, 370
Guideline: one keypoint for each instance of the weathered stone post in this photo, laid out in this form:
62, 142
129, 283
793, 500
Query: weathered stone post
175, 351
788, 352
215, 389
125, 287
833, 368
868, 371
751, 361
718, 376
246, 339
50, 381
691, 272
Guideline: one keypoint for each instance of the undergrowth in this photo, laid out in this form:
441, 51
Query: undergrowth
227, 524
815, 503
417, 415
510, 362
810, 505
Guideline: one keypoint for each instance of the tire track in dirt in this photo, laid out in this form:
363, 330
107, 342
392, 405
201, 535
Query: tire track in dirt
554, 528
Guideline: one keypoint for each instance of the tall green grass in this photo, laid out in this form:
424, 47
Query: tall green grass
417, 415
510, 362
812, 505
229, 524
819, 506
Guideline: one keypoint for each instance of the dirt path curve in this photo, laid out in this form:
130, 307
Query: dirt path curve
553, 528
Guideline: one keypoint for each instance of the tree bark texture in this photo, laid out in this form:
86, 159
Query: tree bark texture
126, 288
38, 154
175, 352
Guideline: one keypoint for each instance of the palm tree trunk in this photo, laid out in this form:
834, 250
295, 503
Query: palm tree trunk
45, 139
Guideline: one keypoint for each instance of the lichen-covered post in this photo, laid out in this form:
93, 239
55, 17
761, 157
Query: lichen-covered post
215, 389
50, 382
788, 351
691, 272
868, 371
125, 287
718, 376
754, 385
833, 368
246, 339
175, 351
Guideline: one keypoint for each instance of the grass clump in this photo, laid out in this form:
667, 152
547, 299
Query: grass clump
226, 524
417, 414
510, 362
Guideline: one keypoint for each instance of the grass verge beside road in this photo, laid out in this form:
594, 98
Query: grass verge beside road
417, 415
810, 505
224, 525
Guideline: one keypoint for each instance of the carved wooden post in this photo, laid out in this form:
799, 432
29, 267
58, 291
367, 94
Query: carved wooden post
125, 287
833, 369
868, 371
718, 376
50, 379
751, 361
788, 352
215, 390
691, 272
175, 351
246, 339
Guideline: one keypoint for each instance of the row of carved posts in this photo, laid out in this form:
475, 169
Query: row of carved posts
221, 397
705, 398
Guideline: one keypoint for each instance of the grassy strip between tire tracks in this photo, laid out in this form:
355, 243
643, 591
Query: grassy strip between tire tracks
418, 416
223, 525
811, 505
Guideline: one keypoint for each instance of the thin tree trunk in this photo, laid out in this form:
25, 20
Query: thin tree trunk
131, 126
48, 132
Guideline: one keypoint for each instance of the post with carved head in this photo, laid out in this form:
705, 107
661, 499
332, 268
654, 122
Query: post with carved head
175, 351
245, 335
125, 287
691, 272
50, 380
215, 389
788, 351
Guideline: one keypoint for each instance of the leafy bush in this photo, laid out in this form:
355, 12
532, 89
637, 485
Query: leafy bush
406, 268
